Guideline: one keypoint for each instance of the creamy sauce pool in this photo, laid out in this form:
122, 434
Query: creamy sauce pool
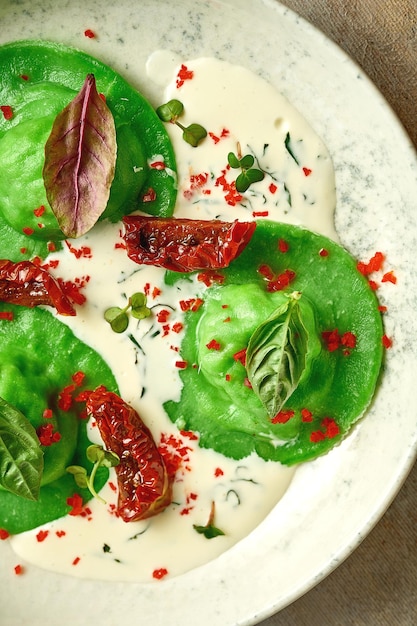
235, 106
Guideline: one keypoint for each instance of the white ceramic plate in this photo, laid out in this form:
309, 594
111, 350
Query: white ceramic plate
334, 502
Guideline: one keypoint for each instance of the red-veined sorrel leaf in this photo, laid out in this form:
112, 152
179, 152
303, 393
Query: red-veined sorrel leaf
80, 158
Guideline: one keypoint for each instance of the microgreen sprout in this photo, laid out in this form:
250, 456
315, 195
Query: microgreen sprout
209, 530
171, 111
100, 457
118, 318
249, 174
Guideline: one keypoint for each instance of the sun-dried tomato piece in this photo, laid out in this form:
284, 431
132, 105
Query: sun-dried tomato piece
28, 284
144, 487
185, 245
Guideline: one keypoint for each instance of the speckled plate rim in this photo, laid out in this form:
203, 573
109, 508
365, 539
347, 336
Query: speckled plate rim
335, 501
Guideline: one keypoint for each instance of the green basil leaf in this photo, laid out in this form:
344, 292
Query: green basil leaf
21, 457
276, 355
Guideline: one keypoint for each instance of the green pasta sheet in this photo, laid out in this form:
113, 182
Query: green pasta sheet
38, 357
37, 80
336, 386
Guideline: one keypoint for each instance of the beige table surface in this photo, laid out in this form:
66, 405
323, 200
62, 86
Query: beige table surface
377, 584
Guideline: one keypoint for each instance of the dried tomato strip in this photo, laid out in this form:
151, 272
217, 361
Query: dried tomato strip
185, 245
145, 489
27, 284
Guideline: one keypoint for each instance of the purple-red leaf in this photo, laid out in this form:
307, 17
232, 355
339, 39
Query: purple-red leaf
80, 158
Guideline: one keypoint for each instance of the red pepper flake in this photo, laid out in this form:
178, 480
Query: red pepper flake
4, 534
283, 417
119, 246
232, 196
307, 171
227, 319
331, 427
334, 340
76, 560
193, 304
348, 340
76, 504
374, 264
260, 213
7, 111
316, 436
23, 250
42, 535
228, 378
210, 277
51, 246
389, 277
72, 288
158, 165
306, 415
60, 533
218, 472
183, 74
28, 231
189, 434
163, 315
186, 510
386, 341
283, 246
6, 315
273, 188
382, 308
18, 569
373, 285
47, 414
323, 252
177, 327
265, 271
182, 365
112, 486
84, 251
39, 211
24, 77
282, 281
149, 195
156, 292
89, 33
78, 378
247, 383
47, 436
175, 452
213, 345
159, 573
240, 356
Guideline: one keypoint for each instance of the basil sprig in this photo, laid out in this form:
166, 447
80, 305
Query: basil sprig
276, 355
21, 456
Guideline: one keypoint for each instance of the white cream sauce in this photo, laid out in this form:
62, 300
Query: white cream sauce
234, 106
